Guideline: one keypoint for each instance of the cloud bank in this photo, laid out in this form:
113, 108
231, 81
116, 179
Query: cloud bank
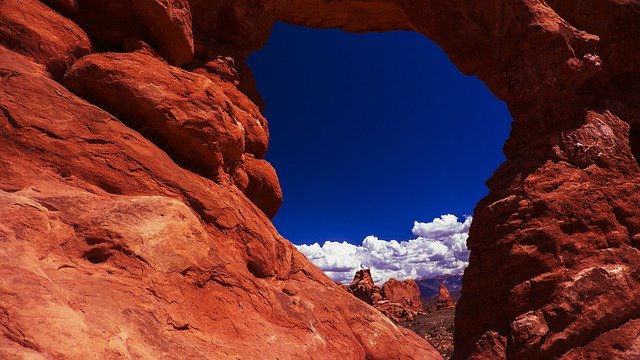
439, 247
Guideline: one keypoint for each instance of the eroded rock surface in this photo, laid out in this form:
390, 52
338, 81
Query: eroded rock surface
128, 229
363, 287
92, 187
405, 292
31, 28
109, 245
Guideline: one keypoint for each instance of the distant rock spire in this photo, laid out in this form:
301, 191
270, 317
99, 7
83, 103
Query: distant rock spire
444, 298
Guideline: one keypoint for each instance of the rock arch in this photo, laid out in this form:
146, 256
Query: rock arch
554, 246
553, 268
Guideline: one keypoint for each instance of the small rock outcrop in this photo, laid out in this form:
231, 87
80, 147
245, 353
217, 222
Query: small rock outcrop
398, 300
444, 300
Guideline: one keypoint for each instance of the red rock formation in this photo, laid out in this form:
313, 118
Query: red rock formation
165, 24
32, 29
92, 205
399, 300
132, 233
444, 300
555, 245
404, 292
364, 288
397, 312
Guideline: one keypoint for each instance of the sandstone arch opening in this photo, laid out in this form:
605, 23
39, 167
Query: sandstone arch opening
371, 132
554, 260
550, 62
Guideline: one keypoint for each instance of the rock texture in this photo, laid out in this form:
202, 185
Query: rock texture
444, 300
134, 206
555, 247
401, 300
31, 28
92, 187
398, 300
114, 24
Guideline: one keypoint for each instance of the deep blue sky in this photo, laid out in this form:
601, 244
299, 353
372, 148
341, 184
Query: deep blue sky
370, 132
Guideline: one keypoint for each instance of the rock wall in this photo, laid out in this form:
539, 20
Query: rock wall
135, 203
555, 245
95, 174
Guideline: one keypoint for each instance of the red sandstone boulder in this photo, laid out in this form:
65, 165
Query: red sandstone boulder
198, 121
166, 24
444, 300
185, 113
263, 188
33, 29
395, 311
256, 131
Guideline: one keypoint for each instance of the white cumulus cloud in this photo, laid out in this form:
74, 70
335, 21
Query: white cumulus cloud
439, 247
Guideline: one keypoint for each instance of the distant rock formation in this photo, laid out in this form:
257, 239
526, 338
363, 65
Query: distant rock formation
398, 300
430, 286
363, 287
444, 299
404, 292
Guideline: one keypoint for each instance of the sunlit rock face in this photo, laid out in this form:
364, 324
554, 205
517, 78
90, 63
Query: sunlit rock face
135, 200
135, 205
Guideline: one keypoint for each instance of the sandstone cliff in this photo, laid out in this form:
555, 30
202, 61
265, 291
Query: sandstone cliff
135, 203
135, 223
